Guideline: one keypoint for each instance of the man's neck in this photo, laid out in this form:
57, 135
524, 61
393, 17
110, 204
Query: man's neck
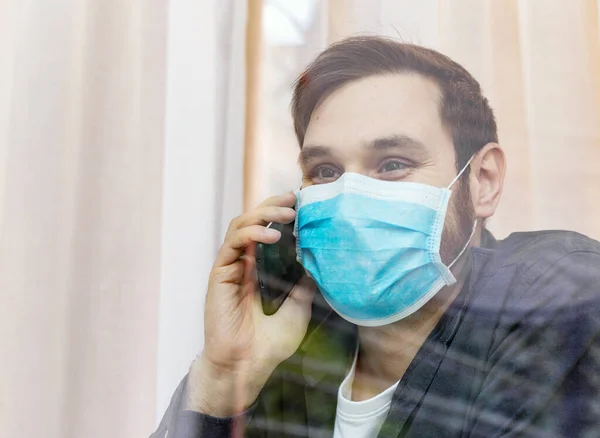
386, 352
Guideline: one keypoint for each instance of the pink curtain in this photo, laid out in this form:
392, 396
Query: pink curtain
81, 133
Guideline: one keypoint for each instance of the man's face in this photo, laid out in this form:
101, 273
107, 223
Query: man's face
389, 128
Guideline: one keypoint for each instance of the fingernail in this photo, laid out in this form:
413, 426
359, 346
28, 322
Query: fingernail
270, 232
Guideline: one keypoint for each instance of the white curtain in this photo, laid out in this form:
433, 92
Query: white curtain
204, 169
81, 163
114, 190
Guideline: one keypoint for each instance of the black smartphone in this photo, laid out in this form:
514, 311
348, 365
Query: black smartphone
277, 269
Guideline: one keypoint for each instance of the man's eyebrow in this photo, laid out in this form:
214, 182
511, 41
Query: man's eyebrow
396, 142
313, 151
403, 142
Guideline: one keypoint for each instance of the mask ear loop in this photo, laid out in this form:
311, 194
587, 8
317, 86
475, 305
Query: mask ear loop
474, 223
461, 172
466, 245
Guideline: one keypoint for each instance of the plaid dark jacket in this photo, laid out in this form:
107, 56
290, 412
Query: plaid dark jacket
516, 355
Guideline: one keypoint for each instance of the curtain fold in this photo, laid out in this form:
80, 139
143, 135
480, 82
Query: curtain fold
254, 50
203, 182
81, 132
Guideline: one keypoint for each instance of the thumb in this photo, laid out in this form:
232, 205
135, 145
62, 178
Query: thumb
298, 304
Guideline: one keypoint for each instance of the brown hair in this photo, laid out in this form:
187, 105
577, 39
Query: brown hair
464, 110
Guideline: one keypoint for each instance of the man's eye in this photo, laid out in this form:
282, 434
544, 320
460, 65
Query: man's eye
392, 166
325, 174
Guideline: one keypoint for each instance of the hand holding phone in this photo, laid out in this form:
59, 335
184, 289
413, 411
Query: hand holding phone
239, 339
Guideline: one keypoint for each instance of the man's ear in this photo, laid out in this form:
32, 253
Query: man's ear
487, 179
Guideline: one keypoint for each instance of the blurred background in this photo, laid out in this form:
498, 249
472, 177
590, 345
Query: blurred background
132, 132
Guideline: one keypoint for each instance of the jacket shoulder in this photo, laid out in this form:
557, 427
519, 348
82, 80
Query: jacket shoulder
534, 253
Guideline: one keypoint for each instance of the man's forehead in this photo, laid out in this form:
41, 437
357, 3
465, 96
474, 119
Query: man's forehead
405, 105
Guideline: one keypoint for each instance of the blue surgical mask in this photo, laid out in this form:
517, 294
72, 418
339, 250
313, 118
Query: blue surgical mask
373, 247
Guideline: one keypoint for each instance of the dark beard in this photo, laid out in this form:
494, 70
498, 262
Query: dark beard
459, 222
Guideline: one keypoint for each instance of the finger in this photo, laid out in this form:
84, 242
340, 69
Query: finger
233, 273
299, 303
286, 200
237, 241
266, 215
249, 258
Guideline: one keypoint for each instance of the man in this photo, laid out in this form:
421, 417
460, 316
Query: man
424, 325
